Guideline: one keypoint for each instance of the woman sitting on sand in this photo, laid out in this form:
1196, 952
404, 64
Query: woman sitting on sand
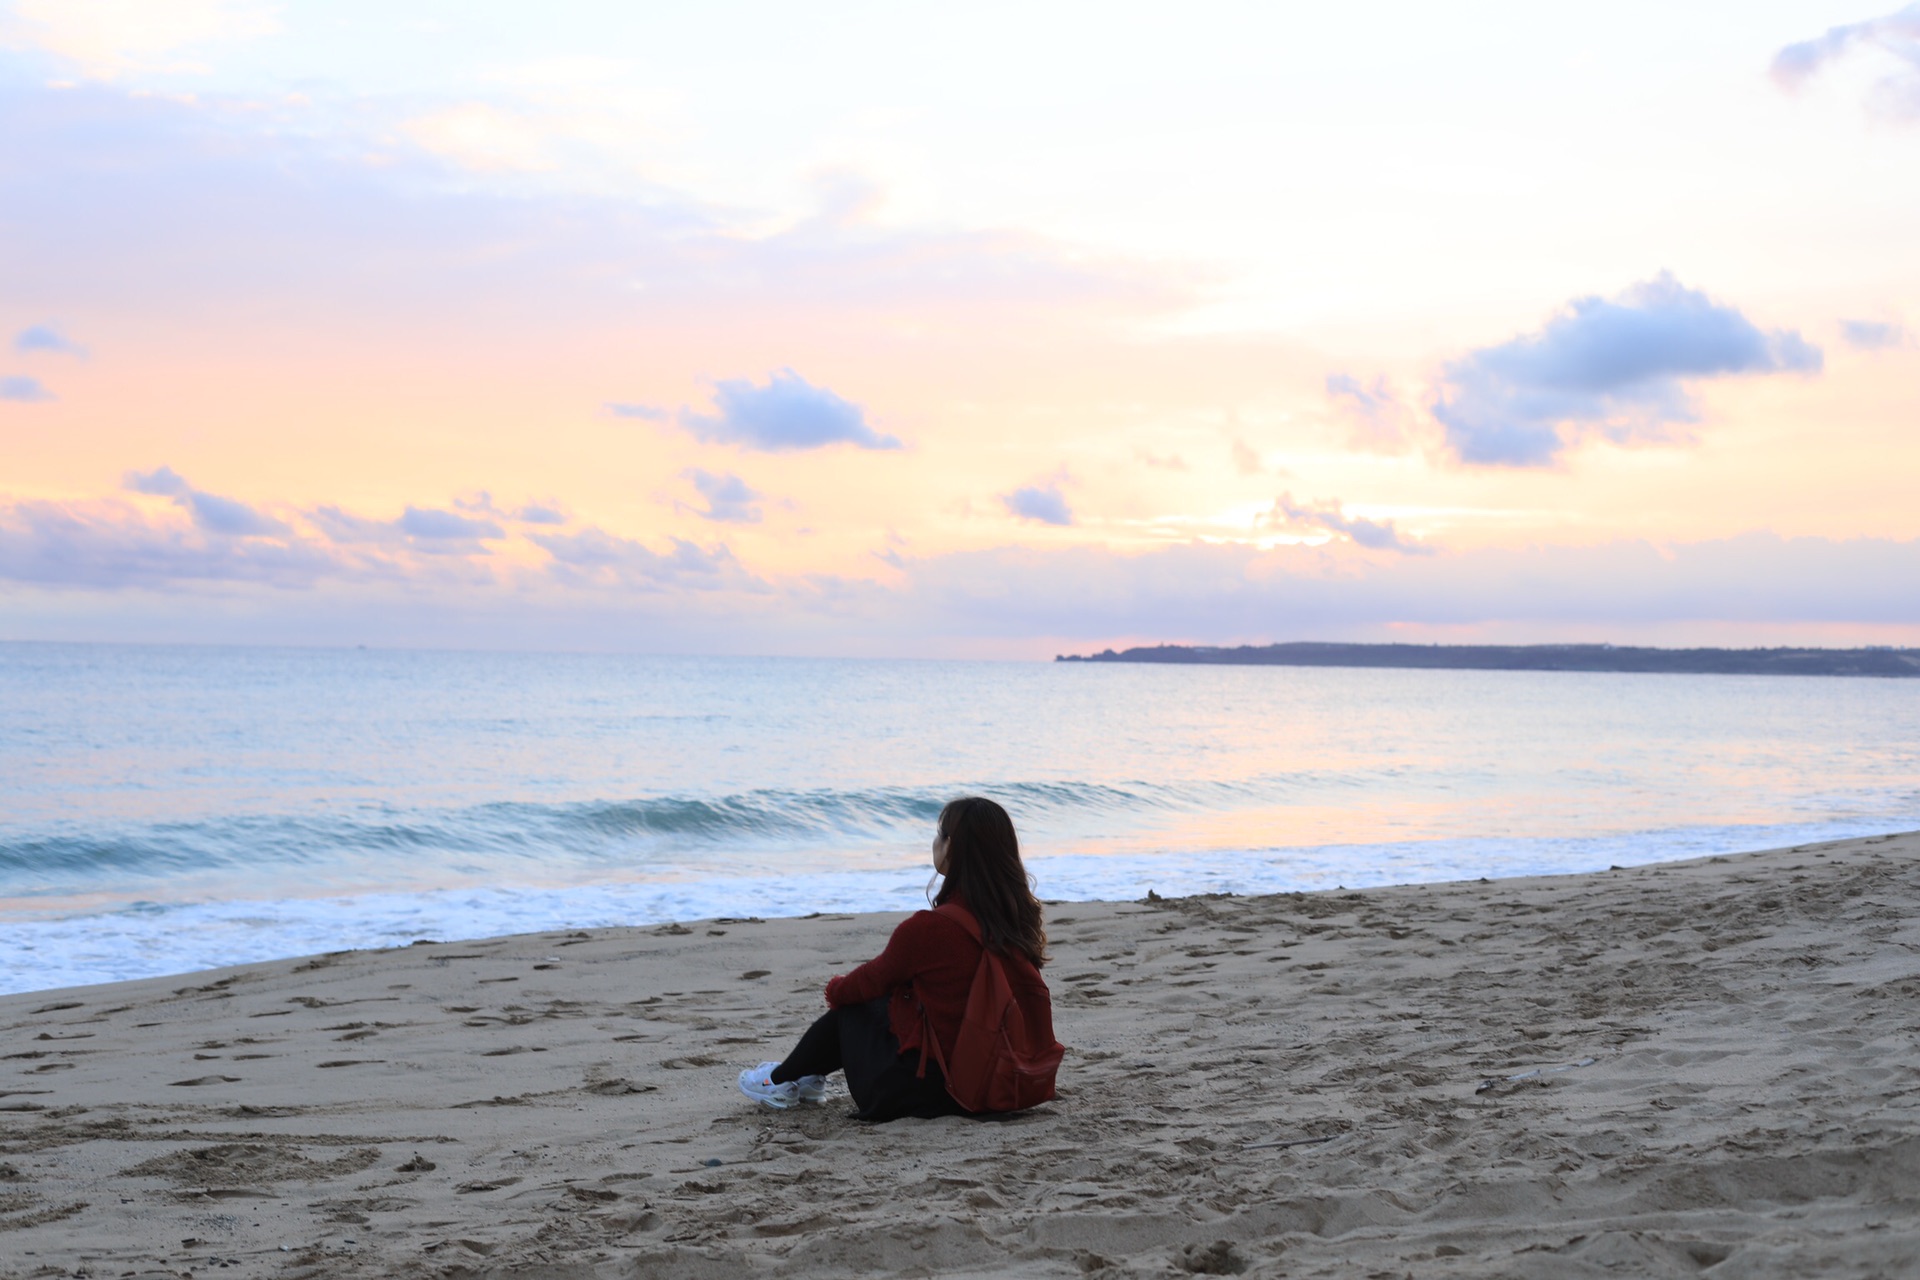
874, 1026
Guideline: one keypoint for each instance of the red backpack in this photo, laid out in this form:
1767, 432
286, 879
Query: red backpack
1005, 1057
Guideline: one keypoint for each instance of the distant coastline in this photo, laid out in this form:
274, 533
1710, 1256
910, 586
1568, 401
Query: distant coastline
1532, 657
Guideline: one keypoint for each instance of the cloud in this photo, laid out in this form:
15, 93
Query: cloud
107, 38
1897, 33
163, 482
211, 512
846, 196
41, 337
1246, 459
594, 557
227, 516
1042, 503
482, 137
1170, 462
1874, 335
110, 546
595, 589
436, 526
1612, 367
644, 412
346, 529
1381, 423
788, 413
1228, 593
480, 503
424, 530
1375, 535
24, 390
729, 498
188, 209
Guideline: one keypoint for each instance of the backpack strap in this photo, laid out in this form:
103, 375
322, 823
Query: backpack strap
959, 914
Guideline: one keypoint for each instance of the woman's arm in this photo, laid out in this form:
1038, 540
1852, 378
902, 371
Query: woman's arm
906, 954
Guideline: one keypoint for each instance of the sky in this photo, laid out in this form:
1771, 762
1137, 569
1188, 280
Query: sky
985, 331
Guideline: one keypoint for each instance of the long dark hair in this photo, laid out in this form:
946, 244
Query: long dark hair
984, 871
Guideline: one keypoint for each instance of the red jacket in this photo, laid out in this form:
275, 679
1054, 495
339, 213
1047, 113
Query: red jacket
929, 960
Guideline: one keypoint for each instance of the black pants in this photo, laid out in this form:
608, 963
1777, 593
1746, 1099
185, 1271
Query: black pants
886, 1083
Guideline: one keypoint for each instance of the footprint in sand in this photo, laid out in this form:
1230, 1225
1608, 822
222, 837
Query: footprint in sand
468, 1188
232, 1163
618, 1088
697, 1060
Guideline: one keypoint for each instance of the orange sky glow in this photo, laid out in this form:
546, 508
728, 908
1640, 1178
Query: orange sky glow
594, 329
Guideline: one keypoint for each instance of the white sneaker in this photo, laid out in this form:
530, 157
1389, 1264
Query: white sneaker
812, 1088
757, 1083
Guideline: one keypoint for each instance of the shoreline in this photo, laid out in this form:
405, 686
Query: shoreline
130, 939
1286, 1082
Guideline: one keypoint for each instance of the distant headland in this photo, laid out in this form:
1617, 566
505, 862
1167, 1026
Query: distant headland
1533, 657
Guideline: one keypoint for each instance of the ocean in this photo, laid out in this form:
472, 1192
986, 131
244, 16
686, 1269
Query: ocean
168, 809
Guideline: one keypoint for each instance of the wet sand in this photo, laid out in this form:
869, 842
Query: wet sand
1710, 1066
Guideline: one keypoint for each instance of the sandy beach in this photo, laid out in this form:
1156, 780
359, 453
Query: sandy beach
1710, 1066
